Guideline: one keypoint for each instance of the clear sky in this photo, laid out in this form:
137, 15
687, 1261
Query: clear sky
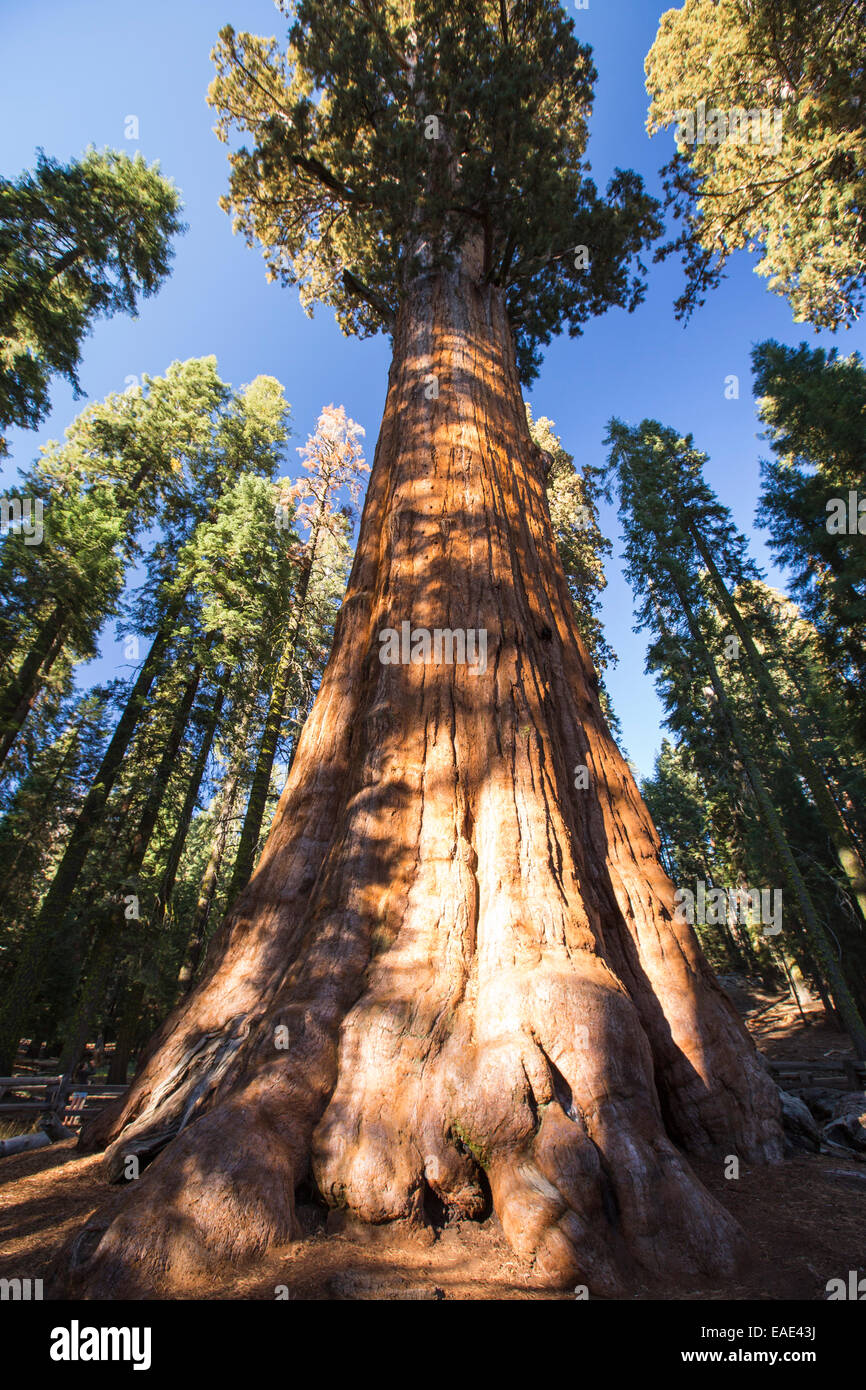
73, 73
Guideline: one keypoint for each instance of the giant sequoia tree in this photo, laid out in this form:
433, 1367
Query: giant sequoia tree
454, 975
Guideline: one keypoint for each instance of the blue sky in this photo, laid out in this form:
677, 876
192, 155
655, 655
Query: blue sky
73, 73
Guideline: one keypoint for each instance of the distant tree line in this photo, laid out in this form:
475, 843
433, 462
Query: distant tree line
764, 779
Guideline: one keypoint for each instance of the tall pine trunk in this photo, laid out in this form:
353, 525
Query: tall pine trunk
20, 695
45, 930
107, 933
261, 783
210, 878
452, 972
184, 820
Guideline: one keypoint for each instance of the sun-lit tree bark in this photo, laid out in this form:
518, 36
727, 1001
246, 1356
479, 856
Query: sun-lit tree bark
455, 974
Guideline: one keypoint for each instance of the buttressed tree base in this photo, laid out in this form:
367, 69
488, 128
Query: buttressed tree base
455, 978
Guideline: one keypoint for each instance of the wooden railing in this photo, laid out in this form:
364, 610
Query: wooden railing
842, 1074
58, 1102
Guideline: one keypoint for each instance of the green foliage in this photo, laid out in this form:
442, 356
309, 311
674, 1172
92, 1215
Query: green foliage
241, 572
185, 466
159, 452
814, 406
677, 803
572, 497
798, 197
573, 501
78, 564
182, 465
78, 240
350, 200
38, 807
718, 826
659, 476
701, 843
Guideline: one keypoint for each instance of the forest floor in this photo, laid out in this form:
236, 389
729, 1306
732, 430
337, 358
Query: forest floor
806, 1218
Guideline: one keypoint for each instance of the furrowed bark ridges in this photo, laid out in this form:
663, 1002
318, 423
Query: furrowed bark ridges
437, 913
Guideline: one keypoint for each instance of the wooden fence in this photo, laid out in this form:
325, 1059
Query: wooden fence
57, 1102
841, 1075
60, 1104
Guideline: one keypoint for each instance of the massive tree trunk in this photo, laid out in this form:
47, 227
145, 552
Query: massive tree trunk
454, 973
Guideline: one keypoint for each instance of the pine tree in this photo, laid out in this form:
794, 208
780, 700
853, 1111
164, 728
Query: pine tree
681, 546
214, 434
40, 805
679, 801
77, 241
55, 601
124, 461
333, 459
245, 562
814, 406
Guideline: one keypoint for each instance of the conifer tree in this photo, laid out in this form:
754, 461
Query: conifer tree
680, 547
678, 800
768, 103
333, 459
214, 434
241, 566
38, 807
54, 602
124, 461
77, 241
813, 502
572, 497
453, 971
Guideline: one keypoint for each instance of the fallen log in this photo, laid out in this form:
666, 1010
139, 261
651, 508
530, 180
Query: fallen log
22, 1142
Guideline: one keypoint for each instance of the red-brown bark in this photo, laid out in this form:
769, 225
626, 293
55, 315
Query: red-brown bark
476, 962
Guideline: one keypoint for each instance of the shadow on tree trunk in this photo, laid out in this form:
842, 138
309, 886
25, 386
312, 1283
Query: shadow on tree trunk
453, 971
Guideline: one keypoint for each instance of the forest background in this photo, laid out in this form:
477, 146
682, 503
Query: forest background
79, 73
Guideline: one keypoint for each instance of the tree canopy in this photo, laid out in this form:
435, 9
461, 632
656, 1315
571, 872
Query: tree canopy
797, 190
379, 146
76, 240
813, 403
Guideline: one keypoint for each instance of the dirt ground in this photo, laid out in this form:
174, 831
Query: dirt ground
779, 1029
805, 1217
